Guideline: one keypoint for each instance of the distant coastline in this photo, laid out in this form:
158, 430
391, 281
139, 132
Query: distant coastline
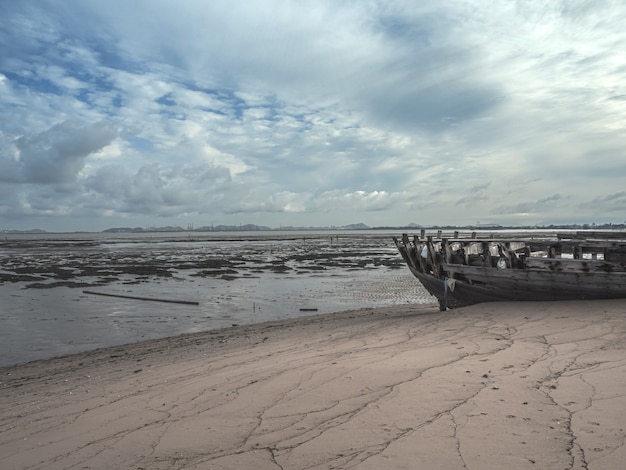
358, 226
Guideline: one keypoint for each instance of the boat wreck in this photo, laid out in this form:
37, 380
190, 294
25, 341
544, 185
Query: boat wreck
462, 271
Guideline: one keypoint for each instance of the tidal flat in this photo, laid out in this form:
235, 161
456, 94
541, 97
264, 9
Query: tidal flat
48, 284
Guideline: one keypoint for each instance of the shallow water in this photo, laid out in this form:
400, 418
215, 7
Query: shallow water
45, 311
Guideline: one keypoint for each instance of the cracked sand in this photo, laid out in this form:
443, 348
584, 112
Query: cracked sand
517, 385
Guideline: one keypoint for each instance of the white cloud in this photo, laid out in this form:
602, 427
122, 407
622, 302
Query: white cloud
358, 201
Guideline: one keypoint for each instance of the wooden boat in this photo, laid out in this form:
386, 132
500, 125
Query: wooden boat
461, 271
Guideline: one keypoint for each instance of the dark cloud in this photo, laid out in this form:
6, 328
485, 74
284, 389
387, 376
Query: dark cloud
609, 204
537, 207
434, 108
58, 154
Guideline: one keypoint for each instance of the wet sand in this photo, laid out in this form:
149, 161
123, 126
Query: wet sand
502, 385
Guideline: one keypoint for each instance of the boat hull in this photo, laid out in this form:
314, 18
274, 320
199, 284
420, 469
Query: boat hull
530, 287
515, 278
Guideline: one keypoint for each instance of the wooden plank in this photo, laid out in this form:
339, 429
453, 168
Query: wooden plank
619, 258
615, 245
447, 250
545, 275
404, 248
418, 253
432, 258
573, 265
603, 234
487, 254
484, 273
517, 283
406, 244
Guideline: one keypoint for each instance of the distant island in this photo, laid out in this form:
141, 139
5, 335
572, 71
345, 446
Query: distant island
34, 230
244, 228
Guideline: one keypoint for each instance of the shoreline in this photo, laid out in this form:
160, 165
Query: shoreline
524, 385
235, 336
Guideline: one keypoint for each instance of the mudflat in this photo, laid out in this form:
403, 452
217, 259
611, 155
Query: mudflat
491, 386
47, 286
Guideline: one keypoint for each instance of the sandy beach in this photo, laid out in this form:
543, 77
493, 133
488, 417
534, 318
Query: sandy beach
492, 386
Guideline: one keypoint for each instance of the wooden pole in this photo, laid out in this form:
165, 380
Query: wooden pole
187, 302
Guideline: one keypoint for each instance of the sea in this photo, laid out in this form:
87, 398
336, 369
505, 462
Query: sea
66, 293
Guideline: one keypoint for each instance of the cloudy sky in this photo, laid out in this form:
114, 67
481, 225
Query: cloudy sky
311, 113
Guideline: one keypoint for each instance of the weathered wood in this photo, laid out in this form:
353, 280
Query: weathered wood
134, 297
615, 254
447, 250
410, 251
487, 255
601, 234
512, 277
432, 259
403, 249
578, 252
546, 268
573, 265
421, 260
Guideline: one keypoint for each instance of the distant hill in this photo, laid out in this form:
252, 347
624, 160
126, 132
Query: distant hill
141, 229
254, 228
355, 227
123, 230
233, 228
